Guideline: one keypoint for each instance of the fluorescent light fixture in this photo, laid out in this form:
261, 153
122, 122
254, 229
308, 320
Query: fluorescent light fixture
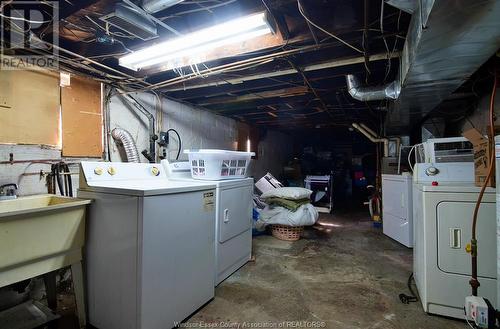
192, 48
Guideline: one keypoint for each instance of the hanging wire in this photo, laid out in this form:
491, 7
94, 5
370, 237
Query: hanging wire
388, 68
106, 29
325, 31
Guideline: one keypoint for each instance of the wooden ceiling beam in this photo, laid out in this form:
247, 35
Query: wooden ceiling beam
285, 92
311, 67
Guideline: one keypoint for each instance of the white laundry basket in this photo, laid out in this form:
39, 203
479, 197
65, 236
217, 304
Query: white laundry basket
211, 164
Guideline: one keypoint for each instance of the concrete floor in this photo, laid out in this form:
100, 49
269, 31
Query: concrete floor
343, 273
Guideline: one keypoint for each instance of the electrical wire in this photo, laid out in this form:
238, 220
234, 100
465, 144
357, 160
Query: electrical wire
388, 70
468, 322
24, 19
409, 158
107, 31
301, 11
206, 8
180, 142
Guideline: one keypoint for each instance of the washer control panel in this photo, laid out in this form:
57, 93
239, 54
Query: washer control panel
451, 172
94, 171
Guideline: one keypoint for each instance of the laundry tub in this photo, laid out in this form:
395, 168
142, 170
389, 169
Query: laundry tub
40, 234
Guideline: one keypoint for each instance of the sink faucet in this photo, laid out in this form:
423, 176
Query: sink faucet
8, 191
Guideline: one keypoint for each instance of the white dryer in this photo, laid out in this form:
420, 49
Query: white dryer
233, 223
150, 245
397, 211
444, 198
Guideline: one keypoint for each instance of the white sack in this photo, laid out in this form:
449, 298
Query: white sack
304, 216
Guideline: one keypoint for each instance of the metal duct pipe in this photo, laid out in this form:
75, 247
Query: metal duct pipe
128, 143
151, 125
373, 138
154, 6
388, 91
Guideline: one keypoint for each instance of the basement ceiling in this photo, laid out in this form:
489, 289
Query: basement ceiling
296, 80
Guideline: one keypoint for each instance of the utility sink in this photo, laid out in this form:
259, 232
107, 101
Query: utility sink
39, 234
38, 203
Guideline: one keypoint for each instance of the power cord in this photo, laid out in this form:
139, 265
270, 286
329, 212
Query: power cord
407, 299
180, 142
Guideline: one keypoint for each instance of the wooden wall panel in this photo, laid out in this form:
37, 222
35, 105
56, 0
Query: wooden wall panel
81, 118
29, 111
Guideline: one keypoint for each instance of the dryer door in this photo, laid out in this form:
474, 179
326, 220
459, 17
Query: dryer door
454, 221
235, 212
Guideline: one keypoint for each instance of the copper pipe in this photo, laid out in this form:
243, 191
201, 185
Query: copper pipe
474, 283
41, 161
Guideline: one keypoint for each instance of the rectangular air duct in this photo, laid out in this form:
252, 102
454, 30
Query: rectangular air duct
132, 22
447, 41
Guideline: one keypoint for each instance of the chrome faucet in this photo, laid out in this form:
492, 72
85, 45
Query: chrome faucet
8, 191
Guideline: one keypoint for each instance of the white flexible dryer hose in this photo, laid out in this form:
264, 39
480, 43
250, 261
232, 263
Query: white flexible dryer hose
123, 136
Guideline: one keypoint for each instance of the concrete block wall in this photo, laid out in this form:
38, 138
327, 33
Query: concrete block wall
27, 174
198, 129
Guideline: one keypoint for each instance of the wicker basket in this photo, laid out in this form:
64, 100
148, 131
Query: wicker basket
287, 233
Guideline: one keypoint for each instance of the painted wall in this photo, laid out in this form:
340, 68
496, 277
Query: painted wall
33, 159
198, 129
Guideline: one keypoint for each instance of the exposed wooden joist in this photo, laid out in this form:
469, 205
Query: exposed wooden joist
252, 86
206, 94
285, 92
268, 41
312, 67
307, 98
72, 7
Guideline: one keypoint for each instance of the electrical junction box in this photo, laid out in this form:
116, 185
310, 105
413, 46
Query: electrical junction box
163, 140
477, 310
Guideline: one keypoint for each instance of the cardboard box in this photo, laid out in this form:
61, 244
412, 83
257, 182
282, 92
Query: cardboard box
482, 155
268, 182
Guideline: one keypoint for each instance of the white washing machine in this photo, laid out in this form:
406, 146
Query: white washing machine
233, 224
397, 210
150, 245
442, 216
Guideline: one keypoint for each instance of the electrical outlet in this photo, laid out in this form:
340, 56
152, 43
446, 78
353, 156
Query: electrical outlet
163, 140
477, 309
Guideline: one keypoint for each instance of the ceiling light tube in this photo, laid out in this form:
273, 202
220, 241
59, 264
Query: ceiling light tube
195, 45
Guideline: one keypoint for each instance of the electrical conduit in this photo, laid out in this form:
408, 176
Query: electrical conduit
370, 134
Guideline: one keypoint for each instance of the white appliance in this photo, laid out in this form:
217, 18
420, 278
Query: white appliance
397, 211
322, 187
233, 224
439, 150
444, 197
150, 245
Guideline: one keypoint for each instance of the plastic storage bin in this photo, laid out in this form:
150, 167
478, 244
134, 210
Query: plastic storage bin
207, 164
